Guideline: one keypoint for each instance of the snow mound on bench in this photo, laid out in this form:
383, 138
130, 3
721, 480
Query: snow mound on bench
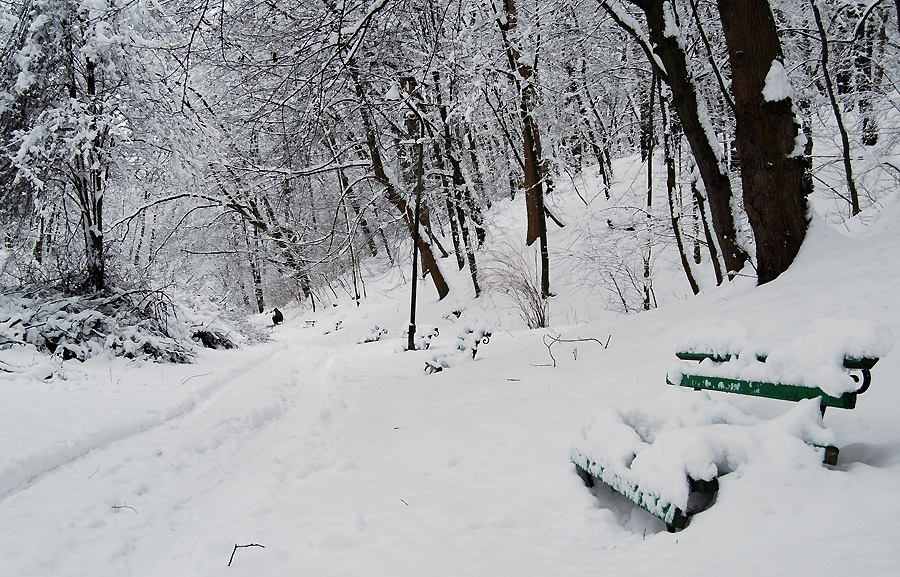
814, 358
658, 451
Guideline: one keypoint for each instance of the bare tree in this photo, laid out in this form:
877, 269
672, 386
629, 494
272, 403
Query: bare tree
535, 175
665, 50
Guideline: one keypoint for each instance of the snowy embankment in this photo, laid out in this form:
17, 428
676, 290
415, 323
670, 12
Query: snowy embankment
341, 458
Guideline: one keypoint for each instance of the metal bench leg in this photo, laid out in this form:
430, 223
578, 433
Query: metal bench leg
831, 455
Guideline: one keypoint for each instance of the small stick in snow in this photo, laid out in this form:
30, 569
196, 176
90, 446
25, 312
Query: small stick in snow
123, 506
553, 340
236, 547
194, 377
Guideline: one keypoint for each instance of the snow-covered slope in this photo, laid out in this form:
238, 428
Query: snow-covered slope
339, 458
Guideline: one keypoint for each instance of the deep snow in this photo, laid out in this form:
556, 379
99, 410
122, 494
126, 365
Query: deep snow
342, 458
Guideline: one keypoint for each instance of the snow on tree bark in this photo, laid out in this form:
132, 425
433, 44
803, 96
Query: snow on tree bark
774, 163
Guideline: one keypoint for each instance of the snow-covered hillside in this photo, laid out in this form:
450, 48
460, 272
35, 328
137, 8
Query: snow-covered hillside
337, 457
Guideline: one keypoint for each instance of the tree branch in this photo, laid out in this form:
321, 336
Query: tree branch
236, 547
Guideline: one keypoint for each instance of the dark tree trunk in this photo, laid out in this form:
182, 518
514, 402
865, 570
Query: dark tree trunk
670, 190
838, 117
395, 198
534, 165
89, 182
774, 165
710, 241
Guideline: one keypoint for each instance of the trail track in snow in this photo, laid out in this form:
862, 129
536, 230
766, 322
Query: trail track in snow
239, 441
338, 458
18, 471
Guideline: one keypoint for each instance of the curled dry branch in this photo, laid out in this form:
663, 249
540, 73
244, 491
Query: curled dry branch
550, 340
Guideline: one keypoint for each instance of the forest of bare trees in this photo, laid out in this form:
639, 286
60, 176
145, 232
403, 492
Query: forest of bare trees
266, 152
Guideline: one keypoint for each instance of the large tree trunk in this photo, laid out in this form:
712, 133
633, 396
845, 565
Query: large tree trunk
774, 164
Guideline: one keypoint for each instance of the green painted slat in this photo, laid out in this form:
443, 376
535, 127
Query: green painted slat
673, 516
849, 362
767, 390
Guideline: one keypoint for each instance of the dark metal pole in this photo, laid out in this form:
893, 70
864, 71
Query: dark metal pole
411, 345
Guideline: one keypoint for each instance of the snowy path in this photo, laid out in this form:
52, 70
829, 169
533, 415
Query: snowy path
108, 415
152, 497
334, 460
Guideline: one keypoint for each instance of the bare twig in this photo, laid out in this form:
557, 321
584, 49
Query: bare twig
236, 547
194, 377
553, 340
123, 506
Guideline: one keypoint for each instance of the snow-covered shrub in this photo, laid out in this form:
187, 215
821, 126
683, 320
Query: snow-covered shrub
437, 364
213, 339
133, 324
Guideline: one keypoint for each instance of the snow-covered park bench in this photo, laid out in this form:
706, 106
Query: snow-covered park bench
749, 374
669, 464
718, 376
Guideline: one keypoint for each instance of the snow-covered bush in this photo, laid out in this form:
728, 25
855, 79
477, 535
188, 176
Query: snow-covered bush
133, 324
424, 338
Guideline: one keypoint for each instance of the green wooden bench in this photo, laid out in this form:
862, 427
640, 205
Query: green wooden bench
703, 377
858, 371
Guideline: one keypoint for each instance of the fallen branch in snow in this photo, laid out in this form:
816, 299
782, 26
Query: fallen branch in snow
124, 506
554, 340
236, 547
194, 377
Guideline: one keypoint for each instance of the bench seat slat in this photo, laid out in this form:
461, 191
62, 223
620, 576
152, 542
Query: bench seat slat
673, 516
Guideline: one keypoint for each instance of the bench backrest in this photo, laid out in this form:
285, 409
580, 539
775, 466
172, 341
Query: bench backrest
697, 379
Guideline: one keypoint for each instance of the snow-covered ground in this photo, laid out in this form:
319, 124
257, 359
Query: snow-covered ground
340, 458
